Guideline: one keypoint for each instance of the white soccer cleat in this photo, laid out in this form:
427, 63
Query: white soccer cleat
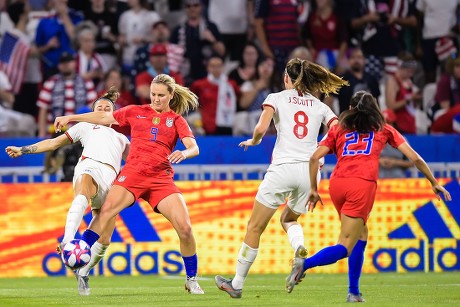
355, 298
297, 274
192, 286
83, 284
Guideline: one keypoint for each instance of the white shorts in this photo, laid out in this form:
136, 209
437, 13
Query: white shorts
291, 181
101, 173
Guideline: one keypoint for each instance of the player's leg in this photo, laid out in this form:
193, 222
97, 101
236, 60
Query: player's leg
260, 217
84, 188
174, 209
99, 247
351, 230
296, 206
294, 231
117, 199
355, 266
97, 253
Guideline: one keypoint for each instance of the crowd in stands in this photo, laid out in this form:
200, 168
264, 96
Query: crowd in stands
56, 56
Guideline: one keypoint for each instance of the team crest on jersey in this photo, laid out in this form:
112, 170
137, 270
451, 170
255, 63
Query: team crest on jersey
122, 178
169, 122
156, 120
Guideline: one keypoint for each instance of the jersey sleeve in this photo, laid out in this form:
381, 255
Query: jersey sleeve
183, 129
270, 101
329, 140
395, 138
76, 132
329, 116
122, 115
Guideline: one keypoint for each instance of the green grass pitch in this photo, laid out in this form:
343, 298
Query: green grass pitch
411, 289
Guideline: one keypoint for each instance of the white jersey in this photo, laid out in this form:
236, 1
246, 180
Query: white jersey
100, 143
297, 119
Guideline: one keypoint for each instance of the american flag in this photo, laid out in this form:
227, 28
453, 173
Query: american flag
13, 60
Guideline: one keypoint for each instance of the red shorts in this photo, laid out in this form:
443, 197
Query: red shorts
353, 197
150, 188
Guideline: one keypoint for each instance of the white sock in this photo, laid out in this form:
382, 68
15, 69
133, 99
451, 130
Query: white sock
246, 257
97, 253
74, 217
295, 236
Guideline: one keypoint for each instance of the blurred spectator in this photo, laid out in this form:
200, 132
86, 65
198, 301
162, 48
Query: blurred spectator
160, 34
253, 94
13, 123
436, 23
393, 164
448, 122
113, 78
218, 98
28, 93
358, 79
447, 89
55, 34
235, 20
200, 38
134, 26
6, 96
377, 26
62, 94
402, 96
157, 65
106, 22
326, 36
301, 53
90, 64
277, 29
247, 65
172, 11
5, 22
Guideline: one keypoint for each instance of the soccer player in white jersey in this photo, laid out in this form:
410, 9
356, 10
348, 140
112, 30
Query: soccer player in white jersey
297, 115
97, 168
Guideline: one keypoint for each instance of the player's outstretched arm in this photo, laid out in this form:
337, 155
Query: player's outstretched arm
98, 117
42, 146
260, 129
421, 165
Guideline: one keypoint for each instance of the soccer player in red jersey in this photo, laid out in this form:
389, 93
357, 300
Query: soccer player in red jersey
148, 174
357, 141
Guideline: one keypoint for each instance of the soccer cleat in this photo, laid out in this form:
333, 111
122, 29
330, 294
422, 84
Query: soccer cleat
355, 298
226, 285
83, 284
192, 286
59, 248
297, 274
301, 252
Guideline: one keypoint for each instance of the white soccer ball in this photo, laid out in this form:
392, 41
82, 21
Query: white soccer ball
76, 254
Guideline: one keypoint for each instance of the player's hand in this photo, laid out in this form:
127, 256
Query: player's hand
13, 151
312, 199
437, 189
249, 142
60, 122
177, 157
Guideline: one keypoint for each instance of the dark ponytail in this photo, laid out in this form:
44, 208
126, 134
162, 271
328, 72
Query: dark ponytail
111, 95
364, 114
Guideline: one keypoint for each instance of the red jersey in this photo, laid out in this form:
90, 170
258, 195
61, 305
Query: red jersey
358, 153
153, 137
